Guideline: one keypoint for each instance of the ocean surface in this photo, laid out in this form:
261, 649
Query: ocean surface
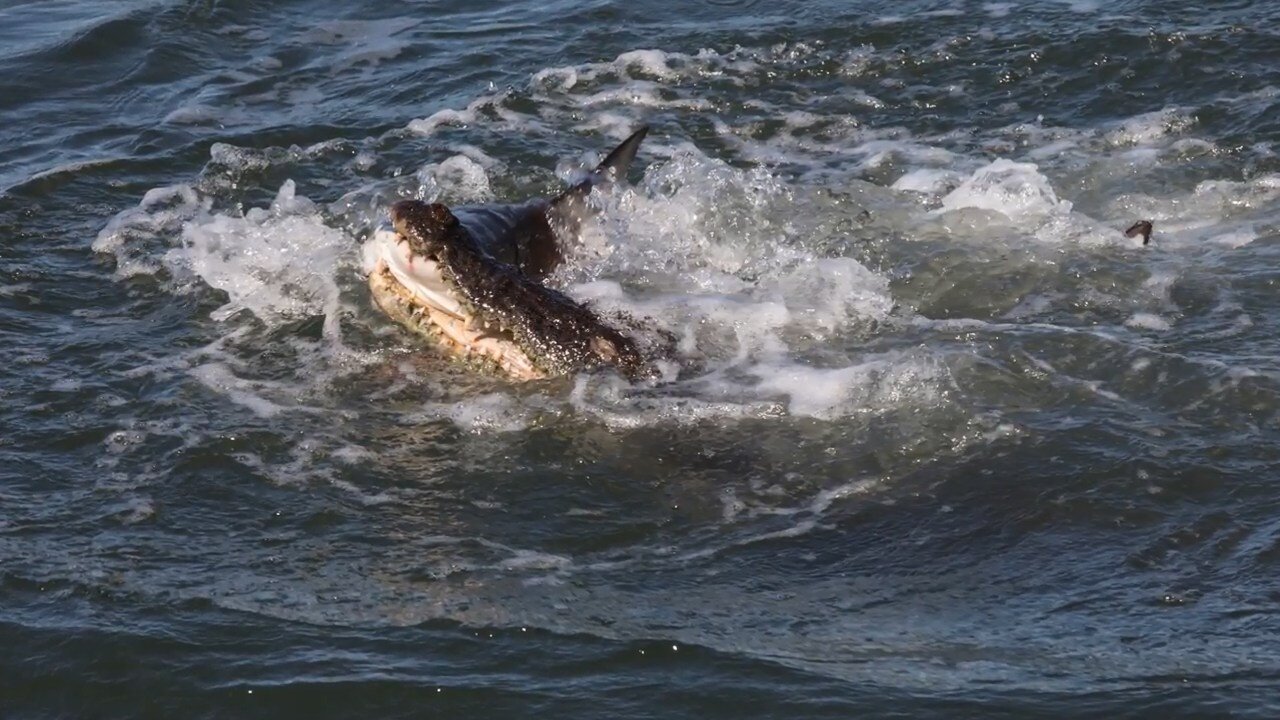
946, 443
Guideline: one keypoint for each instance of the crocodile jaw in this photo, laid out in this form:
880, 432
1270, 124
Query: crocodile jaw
411, 290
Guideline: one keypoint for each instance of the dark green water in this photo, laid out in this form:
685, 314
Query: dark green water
954, 446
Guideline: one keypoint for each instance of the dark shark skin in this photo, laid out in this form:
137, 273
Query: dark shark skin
528, 236
557, 333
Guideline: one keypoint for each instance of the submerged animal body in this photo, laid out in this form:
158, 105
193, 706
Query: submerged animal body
477, 294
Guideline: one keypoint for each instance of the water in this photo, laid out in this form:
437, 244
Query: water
949, 444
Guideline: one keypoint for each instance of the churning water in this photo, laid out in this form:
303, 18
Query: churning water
946, 443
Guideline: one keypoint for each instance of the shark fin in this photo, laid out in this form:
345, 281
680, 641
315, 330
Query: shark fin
612, 169
539, 252
614, 166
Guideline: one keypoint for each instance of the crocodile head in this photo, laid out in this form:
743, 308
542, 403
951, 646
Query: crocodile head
434, 278
426, 229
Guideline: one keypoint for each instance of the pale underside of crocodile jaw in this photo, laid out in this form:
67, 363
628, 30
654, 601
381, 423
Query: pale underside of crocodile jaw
411, 290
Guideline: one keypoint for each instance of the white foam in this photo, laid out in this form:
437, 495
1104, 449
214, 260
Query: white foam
305, 466
66, 385
353, 454
534, 560
612, 402
692, 212
122, 441
278, 263
1235, 238
364, 161
137, 236
137, 509
1053, 149
489, 103
1150, 128
651, 62
768, 387
931, 181
179, 199
831, 393
642, 93
1016, 190
1229, 197
228, 164
829, 293
1148, 321
555, 79
724, 275
220, 378
459, 178
486, 161
447, 116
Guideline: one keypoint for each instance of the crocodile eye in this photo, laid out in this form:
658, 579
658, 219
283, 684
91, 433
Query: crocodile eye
604, 349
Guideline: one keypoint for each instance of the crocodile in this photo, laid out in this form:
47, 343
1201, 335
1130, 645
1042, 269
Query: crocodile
475, 290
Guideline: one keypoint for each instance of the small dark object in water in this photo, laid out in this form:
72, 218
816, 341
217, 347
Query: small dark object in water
864, 217
1143, 228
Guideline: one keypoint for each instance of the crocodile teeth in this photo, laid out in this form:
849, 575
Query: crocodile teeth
419, 275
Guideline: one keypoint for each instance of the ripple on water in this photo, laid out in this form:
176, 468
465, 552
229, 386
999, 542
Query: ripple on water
939, 426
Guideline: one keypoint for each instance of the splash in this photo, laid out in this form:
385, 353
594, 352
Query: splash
279, 263
761, 247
